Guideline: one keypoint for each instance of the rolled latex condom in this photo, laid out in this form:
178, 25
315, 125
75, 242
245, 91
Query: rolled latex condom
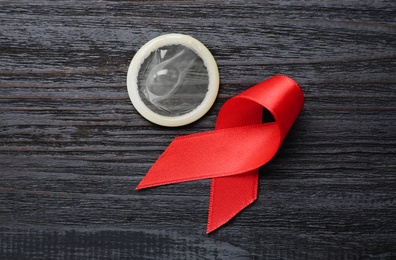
173, 80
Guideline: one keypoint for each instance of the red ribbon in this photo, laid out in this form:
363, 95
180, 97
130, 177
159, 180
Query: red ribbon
232, 153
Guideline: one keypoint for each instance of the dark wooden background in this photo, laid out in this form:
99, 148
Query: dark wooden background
73, 148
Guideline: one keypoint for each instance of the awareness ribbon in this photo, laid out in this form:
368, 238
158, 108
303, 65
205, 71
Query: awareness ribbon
232, 153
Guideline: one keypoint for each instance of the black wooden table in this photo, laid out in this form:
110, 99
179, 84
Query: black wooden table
73, 148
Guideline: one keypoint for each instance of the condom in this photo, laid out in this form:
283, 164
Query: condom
173, 80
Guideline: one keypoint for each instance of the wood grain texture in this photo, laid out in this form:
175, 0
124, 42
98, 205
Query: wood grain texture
73, 148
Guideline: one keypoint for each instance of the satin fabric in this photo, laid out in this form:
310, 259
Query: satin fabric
232, 153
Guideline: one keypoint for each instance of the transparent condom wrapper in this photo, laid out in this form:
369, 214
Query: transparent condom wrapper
173, 80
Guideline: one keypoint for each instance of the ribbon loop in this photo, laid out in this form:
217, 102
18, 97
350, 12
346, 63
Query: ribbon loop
232, 153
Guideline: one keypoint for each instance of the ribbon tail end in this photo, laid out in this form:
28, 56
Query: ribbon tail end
139, 187
215, 223
229, 196
143, 184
